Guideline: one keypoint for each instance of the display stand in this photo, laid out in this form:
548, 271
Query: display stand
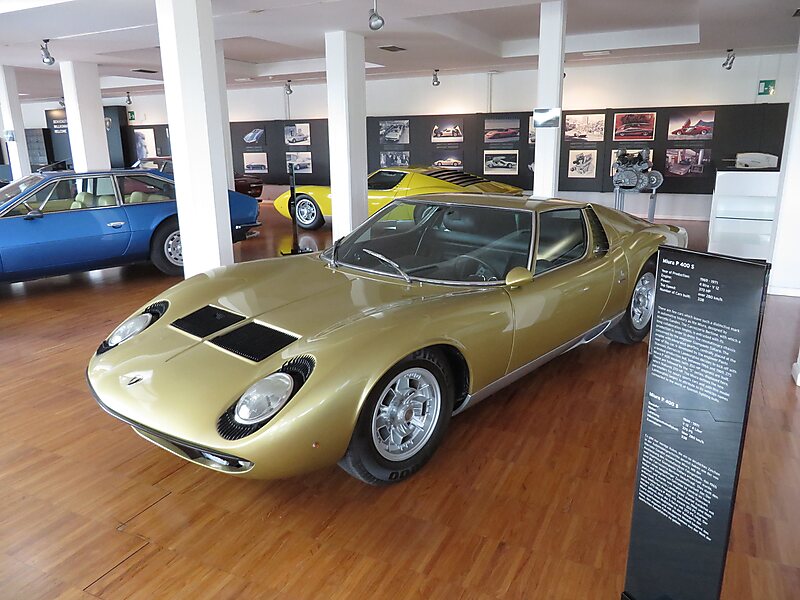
296, 249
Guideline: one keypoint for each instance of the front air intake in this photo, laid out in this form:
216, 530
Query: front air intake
254, 341
206, 321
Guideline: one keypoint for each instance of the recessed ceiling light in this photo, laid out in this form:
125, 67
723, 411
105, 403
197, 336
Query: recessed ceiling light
23, 94
597, 53
243, 79
392, 48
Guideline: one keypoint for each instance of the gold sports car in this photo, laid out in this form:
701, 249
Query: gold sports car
361, 354
385, 185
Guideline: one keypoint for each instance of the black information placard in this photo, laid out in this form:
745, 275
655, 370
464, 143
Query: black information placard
703, 348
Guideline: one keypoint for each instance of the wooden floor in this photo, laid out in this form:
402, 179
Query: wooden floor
529, 497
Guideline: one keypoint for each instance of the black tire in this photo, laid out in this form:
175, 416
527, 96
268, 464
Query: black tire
158, 252
316, 219
626, 332
362, 459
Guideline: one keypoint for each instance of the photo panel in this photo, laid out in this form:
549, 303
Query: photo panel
691, 124
302, 162
297, 134
497, 131
255, 162
531, 131
447, 130
449, 159
394, 132
145, 143
395, 158
501, 162
582, 164
687, 162
254, 137
585, 128
634, 126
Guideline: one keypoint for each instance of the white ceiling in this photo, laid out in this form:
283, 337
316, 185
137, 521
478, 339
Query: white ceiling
269, 41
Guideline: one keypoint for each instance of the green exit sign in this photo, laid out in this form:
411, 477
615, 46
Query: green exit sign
766, 87
131, 115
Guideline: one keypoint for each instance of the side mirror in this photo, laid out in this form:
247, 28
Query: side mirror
518, 276
34, 214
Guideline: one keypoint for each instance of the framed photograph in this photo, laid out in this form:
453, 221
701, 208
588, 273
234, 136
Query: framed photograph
531, 131
145, 143
690, 125
614, 157
582, 164
254, 136
446, 130
393, 132
302, 162
501, 162
687, 162
634, 126
399, 158
585, 128
298, 134
500, 130
255, 162
449, 159
547, 117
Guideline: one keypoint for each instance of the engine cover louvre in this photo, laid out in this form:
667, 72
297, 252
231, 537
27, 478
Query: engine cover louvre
206, 321
254, 341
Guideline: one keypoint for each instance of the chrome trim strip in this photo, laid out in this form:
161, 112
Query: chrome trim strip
520, 372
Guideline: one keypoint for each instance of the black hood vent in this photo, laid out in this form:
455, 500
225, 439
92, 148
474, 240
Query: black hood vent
206, 321
253, 341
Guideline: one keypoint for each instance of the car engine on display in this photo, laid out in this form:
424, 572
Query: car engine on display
270, 369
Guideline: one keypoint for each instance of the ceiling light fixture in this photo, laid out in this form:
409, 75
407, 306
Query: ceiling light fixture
597, 53
728, 64
287, 87
128, 100
435, 81
375, 20
61, 102
47, 58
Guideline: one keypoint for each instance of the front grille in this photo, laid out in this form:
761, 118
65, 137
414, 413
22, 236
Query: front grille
157, 310
253, 341
299, 368
207, 320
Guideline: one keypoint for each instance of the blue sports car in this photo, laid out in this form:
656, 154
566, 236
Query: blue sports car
61, 222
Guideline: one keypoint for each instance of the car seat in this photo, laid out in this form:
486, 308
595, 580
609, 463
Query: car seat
86, 199
137, 197
106, 201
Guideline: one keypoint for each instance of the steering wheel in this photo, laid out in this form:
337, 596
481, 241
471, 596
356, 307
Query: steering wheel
485, 272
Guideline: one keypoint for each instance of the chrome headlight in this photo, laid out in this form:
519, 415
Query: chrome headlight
130, 328
263, 399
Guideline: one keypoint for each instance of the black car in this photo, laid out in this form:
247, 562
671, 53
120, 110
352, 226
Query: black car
244, 184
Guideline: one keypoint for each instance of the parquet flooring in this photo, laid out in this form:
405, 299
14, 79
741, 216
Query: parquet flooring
529, 497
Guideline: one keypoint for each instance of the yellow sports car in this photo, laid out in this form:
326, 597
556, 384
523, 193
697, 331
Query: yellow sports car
361, 354
384, 185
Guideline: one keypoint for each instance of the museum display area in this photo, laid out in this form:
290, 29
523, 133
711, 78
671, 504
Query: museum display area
442, 382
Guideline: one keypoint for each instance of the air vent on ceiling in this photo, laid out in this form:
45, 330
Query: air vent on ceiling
392, 48
149, 71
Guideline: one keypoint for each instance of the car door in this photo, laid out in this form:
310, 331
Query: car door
382, 187
569, 290
79, 225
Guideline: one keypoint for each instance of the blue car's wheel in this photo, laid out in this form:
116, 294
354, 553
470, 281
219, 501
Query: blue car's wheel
166, 251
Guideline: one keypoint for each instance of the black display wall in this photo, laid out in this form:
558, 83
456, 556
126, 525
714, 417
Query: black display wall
116, 134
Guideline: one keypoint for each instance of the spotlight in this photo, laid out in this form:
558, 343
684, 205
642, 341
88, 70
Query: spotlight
728, 64
287, 87
435, 82
128, 100
375, 20
47, 58
61, 102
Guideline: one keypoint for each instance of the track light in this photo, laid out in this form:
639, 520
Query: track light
375, 20
47, 58
728, 64
435, 82
128, 100
287, 87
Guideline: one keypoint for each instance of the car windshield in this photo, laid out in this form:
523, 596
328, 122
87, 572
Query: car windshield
441, 243
15, 188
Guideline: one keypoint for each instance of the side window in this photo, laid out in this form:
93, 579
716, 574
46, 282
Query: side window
137, 189
78, 193
562, 239
384, 180
35, 201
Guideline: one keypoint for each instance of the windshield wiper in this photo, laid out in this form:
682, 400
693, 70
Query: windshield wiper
389, 262
334, 259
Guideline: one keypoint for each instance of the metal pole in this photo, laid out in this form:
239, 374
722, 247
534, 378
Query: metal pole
292, 209
651, 210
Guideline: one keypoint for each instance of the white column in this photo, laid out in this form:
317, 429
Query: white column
796, 369
223, 104
11, 113
552, 23
347, 129
194, 113
86, 123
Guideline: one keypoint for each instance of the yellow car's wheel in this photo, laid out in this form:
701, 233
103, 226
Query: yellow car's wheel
309, 215
403, 420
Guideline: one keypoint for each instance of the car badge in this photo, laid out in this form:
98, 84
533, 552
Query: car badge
132, 380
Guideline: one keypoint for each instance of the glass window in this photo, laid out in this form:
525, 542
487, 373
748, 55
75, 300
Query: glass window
443, 243
562, 238
73, 193
384, 180
136, 189
15, 188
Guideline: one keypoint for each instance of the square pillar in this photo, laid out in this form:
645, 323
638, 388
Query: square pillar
223, 104
86, 123
347, 129
196, 127
11, 113
550, 73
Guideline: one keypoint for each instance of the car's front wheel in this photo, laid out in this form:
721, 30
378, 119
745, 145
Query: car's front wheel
309, 216
166, 251
635, 323
402, 421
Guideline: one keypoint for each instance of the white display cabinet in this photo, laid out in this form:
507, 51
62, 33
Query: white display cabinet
743, 209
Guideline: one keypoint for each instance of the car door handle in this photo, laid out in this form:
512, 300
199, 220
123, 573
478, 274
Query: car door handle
116, 224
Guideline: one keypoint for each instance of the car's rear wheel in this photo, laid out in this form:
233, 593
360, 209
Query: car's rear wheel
402, 421
166, 251
635, 323
309, 216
